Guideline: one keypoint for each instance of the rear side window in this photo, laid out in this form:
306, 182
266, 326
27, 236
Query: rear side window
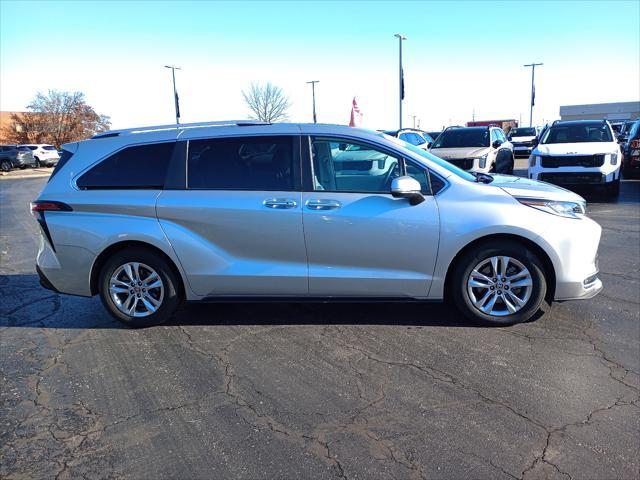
243, 163
139, 167
64, 158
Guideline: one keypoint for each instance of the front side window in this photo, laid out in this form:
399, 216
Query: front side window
241, 163
577, 133
137, 167
463, 137
346, 166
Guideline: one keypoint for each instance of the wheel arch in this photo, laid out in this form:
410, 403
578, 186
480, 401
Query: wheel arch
549, 269
102, 258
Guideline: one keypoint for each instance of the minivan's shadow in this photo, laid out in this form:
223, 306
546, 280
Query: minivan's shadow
24, 303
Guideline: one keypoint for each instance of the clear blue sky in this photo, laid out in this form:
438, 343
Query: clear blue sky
459, 56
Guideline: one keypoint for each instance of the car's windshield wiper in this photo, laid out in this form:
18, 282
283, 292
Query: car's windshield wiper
482, 177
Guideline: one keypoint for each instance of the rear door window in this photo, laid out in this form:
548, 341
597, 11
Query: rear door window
241, 163
136, 167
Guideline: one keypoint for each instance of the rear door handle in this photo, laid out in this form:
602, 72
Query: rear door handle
280, 203
322, 204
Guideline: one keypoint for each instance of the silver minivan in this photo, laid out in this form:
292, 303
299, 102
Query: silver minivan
149, 218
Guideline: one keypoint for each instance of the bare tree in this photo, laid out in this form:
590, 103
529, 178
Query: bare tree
268, 103
56, 118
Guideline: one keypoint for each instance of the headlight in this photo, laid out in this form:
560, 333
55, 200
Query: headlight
614, 158
533, 159
482, 161
556, 207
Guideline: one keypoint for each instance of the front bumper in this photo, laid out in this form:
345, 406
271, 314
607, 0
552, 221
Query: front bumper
574, 176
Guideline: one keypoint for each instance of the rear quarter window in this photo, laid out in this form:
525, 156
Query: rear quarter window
136, 167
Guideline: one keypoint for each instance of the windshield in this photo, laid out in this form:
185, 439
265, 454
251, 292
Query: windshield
24, 149
576, 133
432, 158
522, 132
463, 137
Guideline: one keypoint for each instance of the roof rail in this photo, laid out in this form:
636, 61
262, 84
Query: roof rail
172, 126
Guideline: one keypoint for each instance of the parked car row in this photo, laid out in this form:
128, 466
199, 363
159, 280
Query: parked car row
579, 153
27, 155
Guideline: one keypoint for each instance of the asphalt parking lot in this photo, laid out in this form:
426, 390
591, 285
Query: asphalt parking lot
296, 391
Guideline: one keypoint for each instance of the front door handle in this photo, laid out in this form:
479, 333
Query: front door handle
280, 203
322, 204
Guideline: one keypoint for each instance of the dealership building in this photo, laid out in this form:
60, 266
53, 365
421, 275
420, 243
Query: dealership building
611, 111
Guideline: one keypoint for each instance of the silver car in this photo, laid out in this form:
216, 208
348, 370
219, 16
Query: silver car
149, 218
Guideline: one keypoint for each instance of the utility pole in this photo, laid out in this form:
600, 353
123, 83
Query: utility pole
175, 92
533, 89
401, 76
313, 94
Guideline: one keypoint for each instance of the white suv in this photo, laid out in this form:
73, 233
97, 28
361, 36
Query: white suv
45, 155
578, 153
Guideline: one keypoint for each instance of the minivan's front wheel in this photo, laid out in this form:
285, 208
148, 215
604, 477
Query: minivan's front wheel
499, 283
139, 288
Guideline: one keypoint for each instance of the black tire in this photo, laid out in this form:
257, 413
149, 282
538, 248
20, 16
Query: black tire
612, 190
5, 166
457, 287
504, 164
172, 293
38, 164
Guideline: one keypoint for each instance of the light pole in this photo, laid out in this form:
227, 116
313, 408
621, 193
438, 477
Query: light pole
313, 95
533, 89
400, 75
175, 92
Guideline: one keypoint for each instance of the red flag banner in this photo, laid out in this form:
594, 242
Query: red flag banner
356, 115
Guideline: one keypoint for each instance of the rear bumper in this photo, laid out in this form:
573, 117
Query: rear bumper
44, 281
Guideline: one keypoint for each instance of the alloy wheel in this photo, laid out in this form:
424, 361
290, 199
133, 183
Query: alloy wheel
136, 289
499, 286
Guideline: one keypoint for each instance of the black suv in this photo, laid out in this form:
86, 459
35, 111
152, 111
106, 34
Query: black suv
13, 156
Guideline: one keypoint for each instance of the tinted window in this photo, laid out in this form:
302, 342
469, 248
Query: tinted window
64, 158
578, 133
48, 147
463, 137
522, 132
345, 166
139, 167
24, 149
244, 163
32, 147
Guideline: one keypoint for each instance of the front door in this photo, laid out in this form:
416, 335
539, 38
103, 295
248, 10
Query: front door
360, 240
237, 226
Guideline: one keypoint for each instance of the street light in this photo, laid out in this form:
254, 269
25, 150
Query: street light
175, 93
313, 94
533, 89
400, 75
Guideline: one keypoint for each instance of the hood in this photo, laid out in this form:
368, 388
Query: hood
521, 139
462, 152
523, 187
590, 148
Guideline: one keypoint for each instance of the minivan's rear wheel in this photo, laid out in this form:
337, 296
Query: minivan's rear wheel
499, 283
139, 288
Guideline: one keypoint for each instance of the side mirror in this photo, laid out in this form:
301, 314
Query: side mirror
342, 146
496, 144
430, 144
407, 187
535, 142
